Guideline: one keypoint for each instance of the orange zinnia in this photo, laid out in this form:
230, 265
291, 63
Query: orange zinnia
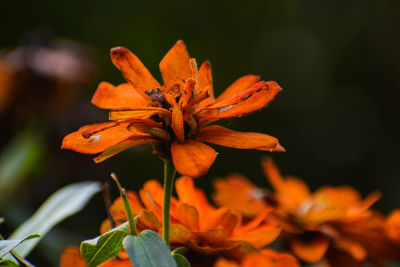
173, 116
333, 221
195, 224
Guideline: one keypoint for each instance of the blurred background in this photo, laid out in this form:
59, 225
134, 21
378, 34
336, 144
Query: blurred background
338, 116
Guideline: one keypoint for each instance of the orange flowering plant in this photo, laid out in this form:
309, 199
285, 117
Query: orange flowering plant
334, 222
212, 236
172, 117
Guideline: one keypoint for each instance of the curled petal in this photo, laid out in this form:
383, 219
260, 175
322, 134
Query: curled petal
119, 115
131, 142
311, 248
224, 137
260, 236
97, 142
177, 123
242, 103
192, 158
206, 84
238, 86
187, 92
134, 71
123, 96
176, 64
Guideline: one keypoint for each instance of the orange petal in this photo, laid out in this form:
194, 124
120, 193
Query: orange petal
355, 249
206, 83
292, 192
179, 234
223, 218
155, 190
124, 96
393, 225
225, 137
134, 71
245, 102
187, 92
175, 65
88, 130
188, 216
238, 86
221, 262
72, 257
177, 123
238, 193
116, 263
192, 158
131, 142
97, 142
310, 247
119, 115
260, 236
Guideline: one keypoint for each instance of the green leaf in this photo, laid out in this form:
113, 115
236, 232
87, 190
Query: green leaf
148, 250
7, 245
97, 250
8, 263
60, 205
1, 220
181, 261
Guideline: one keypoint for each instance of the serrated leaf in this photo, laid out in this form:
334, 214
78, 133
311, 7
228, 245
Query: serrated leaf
8, 263
96, 251
60, 205
180, 260
148, 250
7, 245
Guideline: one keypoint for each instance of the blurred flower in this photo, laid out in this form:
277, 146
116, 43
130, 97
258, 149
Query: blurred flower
71, 257
195, 224
333, 221
41, 77
172, 116
393, 225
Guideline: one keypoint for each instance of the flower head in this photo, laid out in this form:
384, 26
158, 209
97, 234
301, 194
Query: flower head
335, 222
173, 116
195, 224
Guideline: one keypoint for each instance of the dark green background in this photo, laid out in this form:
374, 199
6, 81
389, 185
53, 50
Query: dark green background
337, 61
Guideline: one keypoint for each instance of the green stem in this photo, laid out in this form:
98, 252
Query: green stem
127, 205
169, 176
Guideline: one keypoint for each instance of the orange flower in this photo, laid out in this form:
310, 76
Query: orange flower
195, 224
329, 222
71, 257
173, 116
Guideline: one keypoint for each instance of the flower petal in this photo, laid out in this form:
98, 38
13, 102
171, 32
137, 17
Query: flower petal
206, 83
242, 103
192, 158
188, 216
177, 123
175, 65
310, 248
260, 236
119, 115
224, 137
97, 142
238, 193
72, 257
134, 71
123, 96
291, 192
238, 86
131, 142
